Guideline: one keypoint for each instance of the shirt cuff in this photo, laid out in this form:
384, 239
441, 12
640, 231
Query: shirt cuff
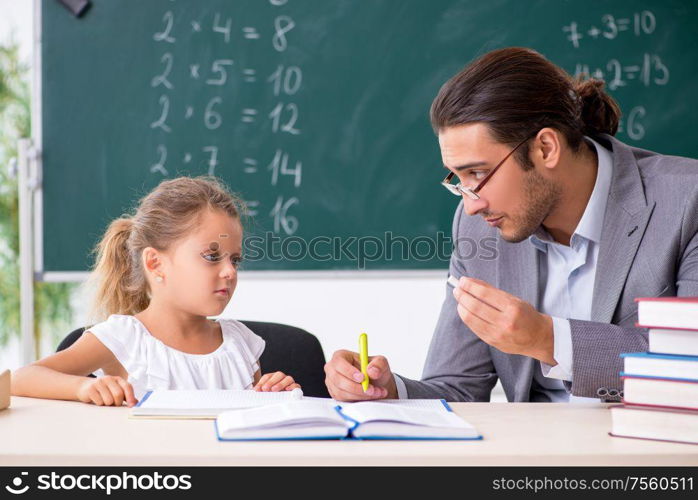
401, 389
562, 351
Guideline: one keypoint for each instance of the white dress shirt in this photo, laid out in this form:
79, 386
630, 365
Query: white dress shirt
569, 273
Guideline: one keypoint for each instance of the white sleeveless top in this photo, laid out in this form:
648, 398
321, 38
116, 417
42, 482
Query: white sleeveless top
151, 364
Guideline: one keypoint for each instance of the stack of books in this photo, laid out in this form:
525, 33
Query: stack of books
660, 387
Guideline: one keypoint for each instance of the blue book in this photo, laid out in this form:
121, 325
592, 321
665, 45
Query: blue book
665, 366
326, 419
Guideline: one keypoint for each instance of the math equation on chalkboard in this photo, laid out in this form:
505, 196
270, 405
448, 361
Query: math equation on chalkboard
220, 77
643, 69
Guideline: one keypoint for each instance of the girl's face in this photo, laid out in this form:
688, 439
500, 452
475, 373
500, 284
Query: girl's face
200, 270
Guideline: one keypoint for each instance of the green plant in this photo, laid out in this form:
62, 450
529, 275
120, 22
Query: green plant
52, 310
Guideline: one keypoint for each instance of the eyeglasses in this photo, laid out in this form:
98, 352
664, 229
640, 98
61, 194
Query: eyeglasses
460, 190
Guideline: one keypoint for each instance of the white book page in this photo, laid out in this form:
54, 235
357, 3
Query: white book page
287, 432
370, 411
295, 413
215, 399
668, 314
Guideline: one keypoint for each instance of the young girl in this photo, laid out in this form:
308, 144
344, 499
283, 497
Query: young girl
159, 274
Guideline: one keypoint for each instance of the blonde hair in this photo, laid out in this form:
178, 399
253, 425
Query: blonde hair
163, 216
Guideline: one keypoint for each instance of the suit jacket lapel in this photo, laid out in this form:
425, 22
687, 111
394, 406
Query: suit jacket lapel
625, 221
620, 240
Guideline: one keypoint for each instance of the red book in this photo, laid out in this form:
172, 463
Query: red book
661, 424
668, 312
681, 341
662, 392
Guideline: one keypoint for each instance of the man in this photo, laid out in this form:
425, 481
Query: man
584, 224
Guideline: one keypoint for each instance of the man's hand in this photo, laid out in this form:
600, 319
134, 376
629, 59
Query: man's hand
505, 321
343, 378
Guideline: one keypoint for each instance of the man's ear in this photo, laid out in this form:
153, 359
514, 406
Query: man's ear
547, 148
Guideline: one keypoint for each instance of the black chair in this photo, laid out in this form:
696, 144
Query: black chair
288, 349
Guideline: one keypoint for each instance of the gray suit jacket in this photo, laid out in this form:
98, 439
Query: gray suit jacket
648, 248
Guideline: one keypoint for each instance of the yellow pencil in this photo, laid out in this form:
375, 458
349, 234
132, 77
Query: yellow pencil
363, 358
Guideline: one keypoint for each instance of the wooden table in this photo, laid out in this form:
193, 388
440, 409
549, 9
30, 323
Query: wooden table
46, 432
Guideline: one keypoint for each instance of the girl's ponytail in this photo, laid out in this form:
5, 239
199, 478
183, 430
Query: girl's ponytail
116, 292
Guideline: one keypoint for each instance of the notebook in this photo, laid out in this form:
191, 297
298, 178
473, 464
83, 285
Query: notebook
205, 403
317, 419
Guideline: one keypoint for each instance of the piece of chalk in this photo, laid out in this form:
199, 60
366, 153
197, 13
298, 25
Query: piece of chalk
297, 393
453, 281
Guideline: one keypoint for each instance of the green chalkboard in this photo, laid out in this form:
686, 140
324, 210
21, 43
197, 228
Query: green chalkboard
316, 111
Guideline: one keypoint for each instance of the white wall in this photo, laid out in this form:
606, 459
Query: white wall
397, 312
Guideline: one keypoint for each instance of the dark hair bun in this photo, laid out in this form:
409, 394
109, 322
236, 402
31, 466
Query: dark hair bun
599, 111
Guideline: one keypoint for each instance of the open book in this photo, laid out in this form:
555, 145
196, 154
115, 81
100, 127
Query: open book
318, 419
206, 403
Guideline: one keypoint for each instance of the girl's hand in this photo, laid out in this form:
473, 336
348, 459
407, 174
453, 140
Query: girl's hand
274, 382
106, 391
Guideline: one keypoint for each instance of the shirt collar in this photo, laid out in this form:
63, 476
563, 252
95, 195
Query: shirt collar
591, 223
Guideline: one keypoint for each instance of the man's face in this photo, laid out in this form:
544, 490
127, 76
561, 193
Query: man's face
513, 200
